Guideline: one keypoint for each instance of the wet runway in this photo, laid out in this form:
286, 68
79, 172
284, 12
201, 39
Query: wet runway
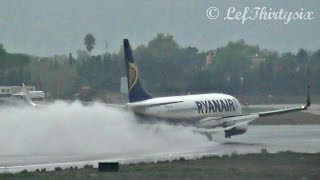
274, 138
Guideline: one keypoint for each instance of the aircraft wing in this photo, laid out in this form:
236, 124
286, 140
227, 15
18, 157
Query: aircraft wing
215, 125
211, 125
237, 120
26, 96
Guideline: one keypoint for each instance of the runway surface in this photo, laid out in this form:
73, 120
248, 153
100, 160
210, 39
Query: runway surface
71, 134
297, 138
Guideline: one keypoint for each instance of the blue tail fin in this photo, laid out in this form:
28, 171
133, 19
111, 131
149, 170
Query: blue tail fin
136, 91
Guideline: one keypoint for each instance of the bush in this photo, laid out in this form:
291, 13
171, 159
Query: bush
88, 166
264, 151
24, 171
58, 169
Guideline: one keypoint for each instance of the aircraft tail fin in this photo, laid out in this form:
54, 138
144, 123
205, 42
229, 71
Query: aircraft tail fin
135, 89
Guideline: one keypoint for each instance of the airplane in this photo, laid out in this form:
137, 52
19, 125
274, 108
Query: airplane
208, 113
26, 96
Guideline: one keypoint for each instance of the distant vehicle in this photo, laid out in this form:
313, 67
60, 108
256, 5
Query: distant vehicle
208, 113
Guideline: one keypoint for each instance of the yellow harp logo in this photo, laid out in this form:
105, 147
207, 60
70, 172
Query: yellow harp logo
133, 75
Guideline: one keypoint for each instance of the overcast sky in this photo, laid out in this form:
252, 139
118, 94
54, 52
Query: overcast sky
48, 27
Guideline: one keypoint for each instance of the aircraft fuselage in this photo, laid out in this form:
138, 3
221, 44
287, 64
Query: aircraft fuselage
189, 106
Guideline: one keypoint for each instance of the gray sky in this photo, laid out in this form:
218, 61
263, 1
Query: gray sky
47, 27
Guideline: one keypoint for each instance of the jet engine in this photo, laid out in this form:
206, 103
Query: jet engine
241, 129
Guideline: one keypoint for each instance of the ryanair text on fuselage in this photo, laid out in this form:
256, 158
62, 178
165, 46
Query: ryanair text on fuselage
211, 106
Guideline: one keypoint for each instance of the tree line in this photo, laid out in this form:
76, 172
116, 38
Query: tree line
168, 68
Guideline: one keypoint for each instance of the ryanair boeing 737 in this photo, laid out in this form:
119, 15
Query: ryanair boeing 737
210, 111
207, 112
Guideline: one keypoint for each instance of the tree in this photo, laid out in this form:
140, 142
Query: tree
82, 56
2, 50
302, 56
106, 45
314, 70
161, 64
230, 64
89, 41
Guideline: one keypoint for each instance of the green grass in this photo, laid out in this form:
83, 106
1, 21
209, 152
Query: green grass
283, 165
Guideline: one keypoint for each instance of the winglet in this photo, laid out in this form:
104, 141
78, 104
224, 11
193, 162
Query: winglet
308, 104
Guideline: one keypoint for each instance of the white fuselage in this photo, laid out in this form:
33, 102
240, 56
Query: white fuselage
188, 107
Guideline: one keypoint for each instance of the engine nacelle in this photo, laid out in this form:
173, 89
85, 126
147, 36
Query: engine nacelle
236, 131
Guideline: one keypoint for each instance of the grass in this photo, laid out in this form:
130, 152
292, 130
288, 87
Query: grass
282, 165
